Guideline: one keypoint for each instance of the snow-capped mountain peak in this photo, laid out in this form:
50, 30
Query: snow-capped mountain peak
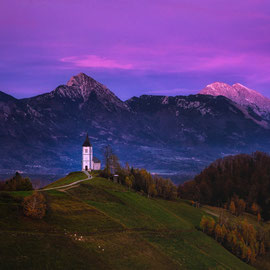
241, 95
220, 89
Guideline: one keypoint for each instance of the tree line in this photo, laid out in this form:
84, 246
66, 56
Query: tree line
240, 237
16, 183
138, 179
241, 182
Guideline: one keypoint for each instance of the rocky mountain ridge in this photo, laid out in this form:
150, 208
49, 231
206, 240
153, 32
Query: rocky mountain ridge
241, 95
161, 133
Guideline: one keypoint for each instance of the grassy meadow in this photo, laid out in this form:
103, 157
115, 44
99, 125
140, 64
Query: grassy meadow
102, 225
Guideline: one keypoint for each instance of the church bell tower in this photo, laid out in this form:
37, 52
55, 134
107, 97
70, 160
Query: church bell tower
87, 155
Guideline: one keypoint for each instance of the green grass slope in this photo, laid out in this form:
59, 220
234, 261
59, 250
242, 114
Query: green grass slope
70, 178
102, 225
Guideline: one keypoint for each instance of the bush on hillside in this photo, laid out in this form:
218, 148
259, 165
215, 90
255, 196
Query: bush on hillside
34, 206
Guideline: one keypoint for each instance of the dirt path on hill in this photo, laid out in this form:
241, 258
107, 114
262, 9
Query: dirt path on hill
210, 212
69, 185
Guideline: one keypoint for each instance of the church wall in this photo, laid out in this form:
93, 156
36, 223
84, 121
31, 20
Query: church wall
87, 157
96, 166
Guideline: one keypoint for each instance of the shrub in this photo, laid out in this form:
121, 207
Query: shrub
34, 206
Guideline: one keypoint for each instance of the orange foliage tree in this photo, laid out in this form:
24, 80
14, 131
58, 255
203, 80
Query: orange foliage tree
232, 207
34, 206
255, 208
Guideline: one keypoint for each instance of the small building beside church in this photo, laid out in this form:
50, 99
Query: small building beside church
89, 162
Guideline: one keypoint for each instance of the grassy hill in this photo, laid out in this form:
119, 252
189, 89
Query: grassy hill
68, 179
102, 225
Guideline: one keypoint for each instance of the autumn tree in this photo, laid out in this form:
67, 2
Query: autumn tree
241, 207
232, 207
218, 232
223, 232
34, 206
255, 208
128, 181
207, 224
204, 223
259, 217
151, 190
244, 251
211, 225
262, 249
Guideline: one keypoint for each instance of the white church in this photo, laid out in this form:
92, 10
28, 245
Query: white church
89, 162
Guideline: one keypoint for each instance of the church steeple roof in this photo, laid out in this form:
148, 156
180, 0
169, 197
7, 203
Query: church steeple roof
87, 141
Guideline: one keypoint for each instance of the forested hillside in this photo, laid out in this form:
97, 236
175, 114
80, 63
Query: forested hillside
233, 178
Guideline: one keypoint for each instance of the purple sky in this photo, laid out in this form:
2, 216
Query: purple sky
134, 47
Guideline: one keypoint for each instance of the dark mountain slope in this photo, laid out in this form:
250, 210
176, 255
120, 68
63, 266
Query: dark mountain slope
198, 120
160, 133
241, 95
5, 97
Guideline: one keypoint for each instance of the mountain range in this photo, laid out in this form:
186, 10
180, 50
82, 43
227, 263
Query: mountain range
164, 134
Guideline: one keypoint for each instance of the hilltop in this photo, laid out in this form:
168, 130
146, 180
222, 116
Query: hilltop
104, 225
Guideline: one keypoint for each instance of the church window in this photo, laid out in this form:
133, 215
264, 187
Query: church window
86, 151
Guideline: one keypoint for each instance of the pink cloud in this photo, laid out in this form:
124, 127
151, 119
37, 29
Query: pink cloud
177, 59
215, 62
194, 58
94, 61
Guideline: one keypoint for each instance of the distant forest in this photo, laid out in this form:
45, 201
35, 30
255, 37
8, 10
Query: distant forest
242, 178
